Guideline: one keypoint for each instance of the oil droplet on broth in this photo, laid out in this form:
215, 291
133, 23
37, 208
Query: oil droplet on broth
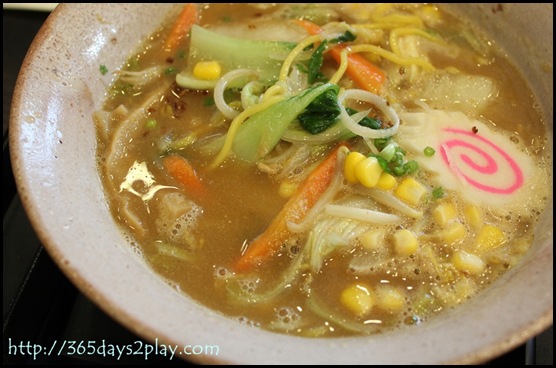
30, 119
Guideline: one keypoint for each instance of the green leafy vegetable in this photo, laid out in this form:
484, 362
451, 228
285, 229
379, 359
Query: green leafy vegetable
259, 134
233, 53
321, 113
312, 12
317, 58
346, 37
315, 63
366, 121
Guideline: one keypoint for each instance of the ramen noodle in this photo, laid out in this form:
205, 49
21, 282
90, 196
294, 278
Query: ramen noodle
324, 170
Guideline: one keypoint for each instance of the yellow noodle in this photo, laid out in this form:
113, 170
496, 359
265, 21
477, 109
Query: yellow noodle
401, 20
275, 90
378, 16
392, 57
294, 53
380, 25
395, 34
341, 68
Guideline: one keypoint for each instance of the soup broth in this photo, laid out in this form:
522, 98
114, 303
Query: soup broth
324, 170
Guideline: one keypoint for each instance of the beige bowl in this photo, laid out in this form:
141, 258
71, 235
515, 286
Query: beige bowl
52, 140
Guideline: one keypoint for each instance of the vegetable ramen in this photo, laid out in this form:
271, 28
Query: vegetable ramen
324, 169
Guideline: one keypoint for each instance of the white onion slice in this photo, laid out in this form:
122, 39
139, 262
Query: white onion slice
221, 86
351, 123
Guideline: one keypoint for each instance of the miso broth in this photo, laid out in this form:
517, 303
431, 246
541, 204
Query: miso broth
324, 170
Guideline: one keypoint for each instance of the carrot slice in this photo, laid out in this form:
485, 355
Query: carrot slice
309, 26
182, 171
181, 27
364, 73
297, 206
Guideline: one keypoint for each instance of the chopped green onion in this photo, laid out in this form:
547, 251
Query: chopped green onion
388, 152
438, 192
429, 151
382, 162
169, 70
380, 143
410, 167
151, 124
103, 69
209, 101
398, 170
398, 159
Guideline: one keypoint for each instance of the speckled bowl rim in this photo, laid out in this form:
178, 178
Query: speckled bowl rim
51, 143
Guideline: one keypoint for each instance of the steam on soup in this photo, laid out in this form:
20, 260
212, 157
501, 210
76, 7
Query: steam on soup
324, 170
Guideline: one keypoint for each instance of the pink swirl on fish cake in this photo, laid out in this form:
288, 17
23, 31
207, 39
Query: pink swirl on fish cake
490, 165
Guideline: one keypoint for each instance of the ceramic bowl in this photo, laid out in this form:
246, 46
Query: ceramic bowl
52, 140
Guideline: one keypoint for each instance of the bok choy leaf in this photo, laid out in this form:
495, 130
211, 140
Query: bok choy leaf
266, 57
260, 134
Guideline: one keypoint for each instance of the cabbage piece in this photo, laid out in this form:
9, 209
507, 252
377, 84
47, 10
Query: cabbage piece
349, 324
290, 276
266, 57
131, 128
331, 234
263, 29
469, 94
459, 91
176, 219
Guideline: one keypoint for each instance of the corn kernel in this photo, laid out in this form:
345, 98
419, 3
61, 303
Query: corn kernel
410, 191
368, 172
358, 299
473, 216
390, 298
207, 70
372, 240
405, 242
454, 232
468, 263
386, 181
352, 159
444, 213
488, 238
287, 188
